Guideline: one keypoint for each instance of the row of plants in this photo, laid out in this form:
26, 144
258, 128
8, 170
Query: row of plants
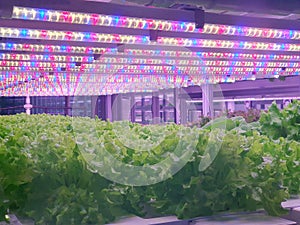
63, 170
250, 115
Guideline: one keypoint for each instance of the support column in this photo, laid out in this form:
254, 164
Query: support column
114, 107
183, 111
27, 105
67, 106
165, 108
231, 106
93, 106
102, 107
155, 108
176, 106
132, 109
143, 109
125, 112
207, 97
223, 107
108, 106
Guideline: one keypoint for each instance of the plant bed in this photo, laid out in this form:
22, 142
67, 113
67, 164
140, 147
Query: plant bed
48, 176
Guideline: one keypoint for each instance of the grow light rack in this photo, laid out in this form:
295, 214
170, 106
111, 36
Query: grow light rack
94, 48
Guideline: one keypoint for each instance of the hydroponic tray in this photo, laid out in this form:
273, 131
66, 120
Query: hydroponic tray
232, 219
247, 219
291, 203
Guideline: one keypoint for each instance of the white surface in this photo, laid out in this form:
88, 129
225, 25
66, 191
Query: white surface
297, 210
292, 203
140, 221
250, 219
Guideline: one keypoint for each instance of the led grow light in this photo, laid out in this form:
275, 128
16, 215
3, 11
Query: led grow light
140, 23
213, 55
9, 77
55, 48
111, 61
116, 84
136, 69
63, 84
48, 57
125, 60
139, 52
132, 39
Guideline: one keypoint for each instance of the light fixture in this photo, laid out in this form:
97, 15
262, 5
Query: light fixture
136, 39
151, 24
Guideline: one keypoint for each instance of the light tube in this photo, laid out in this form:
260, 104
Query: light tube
141, 23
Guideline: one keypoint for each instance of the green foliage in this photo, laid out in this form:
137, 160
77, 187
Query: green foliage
227, 185
251, 115
200, 122
47, 176
282, 123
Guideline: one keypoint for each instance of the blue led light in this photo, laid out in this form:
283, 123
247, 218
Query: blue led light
116, 20
145, 39
32, 64
24, 32
41, 14
241, 45
199, 54
240, 30
23, 68
87, 36
63, 48
282, 46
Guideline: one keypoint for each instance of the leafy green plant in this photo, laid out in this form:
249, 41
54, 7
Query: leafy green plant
200, 122
46, 175
276, 123
227, 185
251, 115
17, 167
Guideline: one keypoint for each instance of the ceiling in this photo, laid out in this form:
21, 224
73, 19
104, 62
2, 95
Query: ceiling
278, 9
64, 47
